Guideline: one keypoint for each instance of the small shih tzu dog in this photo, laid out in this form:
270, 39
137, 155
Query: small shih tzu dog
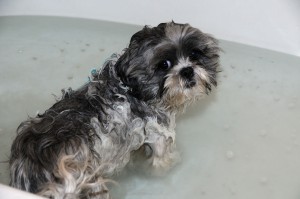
123, 117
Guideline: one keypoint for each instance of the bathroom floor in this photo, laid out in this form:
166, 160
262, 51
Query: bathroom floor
242, 141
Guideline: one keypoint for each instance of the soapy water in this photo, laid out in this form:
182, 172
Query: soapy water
242, 141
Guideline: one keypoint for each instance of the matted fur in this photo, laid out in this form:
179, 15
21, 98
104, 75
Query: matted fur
124, 116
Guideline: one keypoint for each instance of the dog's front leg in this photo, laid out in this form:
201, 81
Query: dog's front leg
160, 147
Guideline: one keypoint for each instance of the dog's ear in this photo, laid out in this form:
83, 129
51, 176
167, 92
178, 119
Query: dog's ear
149, 34
126, 68
131, 67
130, 53
140, 35
126, 65
162, 25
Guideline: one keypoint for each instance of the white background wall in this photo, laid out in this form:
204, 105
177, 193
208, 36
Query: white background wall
272, 24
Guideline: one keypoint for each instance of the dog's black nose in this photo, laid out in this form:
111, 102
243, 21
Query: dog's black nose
187, 72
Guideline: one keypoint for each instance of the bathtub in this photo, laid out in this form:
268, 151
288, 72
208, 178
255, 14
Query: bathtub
241, 141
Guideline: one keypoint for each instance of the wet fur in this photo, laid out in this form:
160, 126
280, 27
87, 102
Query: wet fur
124, 116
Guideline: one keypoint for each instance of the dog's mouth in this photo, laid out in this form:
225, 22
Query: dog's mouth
183, 87
190, 84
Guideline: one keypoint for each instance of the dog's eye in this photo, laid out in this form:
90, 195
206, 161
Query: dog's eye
165, 64
195, 54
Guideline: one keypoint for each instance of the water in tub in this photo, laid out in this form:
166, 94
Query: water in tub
242, 141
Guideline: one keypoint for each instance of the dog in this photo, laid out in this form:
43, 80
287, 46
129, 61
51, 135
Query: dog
123, 117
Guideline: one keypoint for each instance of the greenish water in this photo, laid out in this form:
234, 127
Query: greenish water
242, 141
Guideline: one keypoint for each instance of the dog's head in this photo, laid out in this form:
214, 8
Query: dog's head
171, 64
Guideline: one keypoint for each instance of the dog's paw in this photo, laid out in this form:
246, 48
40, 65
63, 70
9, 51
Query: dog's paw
161, 164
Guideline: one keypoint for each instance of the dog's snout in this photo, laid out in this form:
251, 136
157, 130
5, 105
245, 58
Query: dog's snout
187, 72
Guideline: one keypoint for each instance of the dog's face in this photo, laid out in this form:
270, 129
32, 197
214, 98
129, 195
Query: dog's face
171, 63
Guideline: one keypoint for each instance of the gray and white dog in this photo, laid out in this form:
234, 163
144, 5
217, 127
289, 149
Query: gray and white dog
125, 116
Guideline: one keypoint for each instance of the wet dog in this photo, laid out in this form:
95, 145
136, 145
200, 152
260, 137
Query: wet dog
124, 116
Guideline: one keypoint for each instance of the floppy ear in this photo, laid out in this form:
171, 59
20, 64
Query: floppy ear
131, 75
124, 65
136, 46
130, 66
162, 25
140, 35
